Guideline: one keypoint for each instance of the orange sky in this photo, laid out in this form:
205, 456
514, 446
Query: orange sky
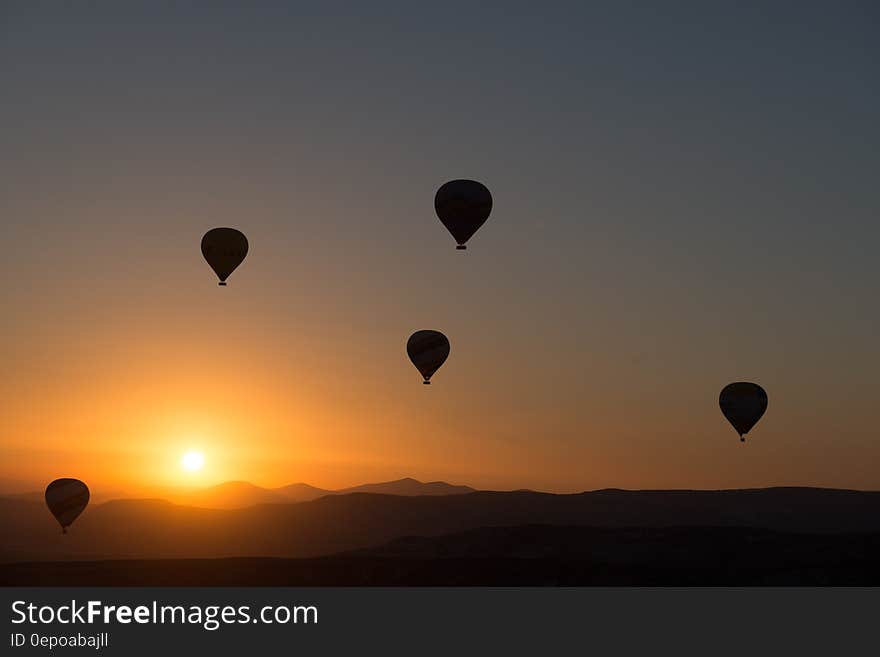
117, 376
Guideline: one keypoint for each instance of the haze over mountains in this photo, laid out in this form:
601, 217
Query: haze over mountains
242, 494
338, 522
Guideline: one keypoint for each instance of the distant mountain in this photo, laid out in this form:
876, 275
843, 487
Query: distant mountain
339, 523
30, 496
38, 496
231, 495
242, 494
408, 486
302, 492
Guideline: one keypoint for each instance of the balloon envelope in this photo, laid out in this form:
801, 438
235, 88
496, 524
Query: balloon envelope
463, 206
224, 249
66, 499
427, 350
743, 404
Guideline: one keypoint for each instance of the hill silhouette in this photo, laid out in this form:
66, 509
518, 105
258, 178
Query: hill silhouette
242, 494
408, 487
302, 492
338, 523
231, 495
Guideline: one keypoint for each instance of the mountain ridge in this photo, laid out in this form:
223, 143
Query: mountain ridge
242, 494
239, 494
338, 523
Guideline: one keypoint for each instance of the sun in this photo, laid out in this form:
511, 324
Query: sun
192, 461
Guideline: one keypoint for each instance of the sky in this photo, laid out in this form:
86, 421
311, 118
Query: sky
684, 195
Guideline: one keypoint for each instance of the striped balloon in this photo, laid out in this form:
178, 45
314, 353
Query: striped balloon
66, 499
427, 350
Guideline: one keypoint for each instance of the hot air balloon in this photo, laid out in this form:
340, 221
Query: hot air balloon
743, 404
427, 350
66, 499
463, 206
224, 249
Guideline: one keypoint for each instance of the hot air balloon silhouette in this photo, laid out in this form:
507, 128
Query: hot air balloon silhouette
427, 350
463, 206
743, 404
66, 499
224, 249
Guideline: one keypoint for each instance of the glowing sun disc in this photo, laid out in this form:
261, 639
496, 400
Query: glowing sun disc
192, 461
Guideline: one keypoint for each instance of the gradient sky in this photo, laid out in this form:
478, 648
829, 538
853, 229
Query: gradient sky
685, 196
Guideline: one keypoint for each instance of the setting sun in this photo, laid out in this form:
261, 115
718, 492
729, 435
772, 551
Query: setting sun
192, 461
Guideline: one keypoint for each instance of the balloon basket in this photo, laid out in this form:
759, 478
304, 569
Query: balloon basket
426, 383
460, 247
223, 283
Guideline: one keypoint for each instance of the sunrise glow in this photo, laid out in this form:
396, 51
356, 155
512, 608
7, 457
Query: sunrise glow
192, 461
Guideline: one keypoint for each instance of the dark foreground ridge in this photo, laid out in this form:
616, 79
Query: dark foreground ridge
156, 529
515, 556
